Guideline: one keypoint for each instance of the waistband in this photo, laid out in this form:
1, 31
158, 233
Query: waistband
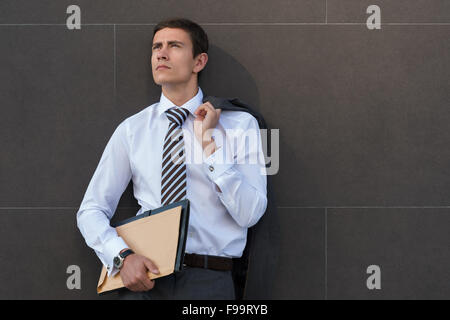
208, 262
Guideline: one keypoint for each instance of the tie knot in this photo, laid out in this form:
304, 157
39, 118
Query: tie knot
177, 115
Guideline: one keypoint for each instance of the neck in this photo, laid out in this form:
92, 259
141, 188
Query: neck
179, 94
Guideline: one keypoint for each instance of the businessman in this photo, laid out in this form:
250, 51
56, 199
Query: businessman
157, 148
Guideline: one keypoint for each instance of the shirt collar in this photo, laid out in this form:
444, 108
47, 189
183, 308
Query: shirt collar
192, 105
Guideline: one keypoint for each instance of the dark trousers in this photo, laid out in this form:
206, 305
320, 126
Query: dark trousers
189, 284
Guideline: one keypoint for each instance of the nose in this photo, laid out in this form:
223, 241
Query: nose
162, 53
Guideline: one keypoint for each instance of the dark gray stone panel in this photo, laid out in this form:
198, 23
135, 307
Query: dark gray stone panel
288, 260
410, 245
145, 12
399, 11
58, 111
38, 245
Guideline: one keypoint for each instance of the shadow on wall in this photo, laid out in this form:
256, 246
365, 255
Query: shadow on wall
224, 76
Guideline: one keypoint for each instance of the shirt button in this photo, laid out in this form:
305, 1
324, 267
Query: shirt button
211, 168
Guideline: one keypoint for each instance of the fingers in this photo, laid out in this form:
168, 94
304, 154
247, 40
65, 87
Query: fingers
143, 280
146, 283
137, 286
142, 285
151, 266
140, 282
201, 112
134, 284
134, 273
206, 107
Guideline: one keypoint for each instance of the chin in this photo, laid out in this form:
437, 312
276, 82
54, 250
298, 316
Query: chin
161, 80
168, 81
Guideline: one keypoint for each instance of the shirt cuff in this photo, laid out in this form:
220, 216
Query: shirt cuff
111, 249
217, 163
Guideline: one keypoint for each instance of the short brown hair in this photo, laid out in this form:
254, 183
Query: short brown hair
198, 36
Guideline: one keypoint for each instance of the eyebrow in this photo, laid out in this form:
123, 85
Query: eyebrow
169, 42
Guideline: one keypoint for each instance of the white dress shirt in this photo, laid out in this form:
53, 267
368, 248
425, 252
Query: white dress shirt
218, 220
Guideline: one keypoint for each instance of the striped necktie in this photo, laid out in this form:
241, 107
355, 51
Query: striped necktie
173, 177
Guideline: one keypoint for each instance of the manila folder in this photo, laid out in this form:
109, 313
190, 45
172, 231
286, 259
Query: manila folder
155, 237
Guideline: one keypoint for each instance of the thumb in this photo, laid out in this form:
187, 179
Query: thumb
151, 266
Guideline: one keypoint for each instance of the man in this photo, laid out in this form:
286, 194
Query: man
227, 194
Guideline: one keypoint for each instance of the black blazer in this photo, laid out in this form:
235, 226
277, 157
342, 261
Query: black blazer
258, 237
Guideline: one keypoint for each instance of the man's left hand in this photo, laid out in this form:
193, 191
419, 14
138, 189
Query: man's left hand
206, 120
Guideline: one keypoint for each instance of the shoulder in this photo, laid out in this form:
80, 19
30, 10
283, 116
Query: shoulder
141, 116
235, 112
237, 119
138, 120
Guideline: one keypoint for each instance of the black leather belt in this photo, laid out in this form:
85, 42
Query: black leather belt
208, 262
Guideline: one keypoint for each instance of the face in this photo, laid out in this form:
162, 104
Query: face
172, 48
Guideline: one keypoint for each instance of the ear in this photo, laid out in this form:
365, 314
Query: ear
200, 62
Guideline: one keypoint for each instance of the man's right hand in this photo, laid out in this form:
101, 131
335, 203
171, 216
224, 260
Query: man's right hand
134, 273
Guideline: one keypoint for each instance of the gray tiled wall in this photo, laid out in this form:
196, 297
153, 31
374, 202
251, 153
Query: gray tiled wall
363, 118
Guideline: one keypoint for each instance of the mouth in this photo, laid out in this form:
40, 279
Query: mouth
162, 67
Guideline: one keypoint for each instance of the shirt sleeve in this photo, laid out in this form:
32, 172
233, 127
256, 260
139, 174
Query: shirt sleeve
100, 201
238, 168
